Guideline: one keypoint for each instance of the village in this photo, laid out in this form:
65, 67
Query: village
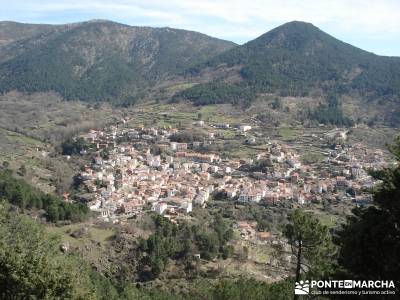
135, 170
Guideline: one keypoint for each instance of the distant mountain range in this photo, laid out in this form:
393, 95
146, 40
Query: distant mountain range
97, 60
107, 61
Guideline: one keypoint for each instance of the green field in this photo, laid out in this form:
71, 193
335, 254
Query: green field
98, 235
287, 133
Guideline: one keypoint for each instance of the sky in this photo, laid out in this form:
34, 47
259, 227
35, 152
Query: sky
373, 25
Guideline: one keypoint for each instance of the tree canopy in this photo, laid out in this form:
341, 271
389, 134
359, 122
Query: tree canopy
18, 192
311, 244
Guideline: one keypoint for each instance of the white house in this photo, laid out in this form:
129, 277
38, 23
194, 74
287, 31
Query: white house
245, 128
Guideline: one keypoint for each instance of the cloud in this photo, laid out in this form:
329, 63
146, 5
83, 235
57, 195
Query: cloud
238, 20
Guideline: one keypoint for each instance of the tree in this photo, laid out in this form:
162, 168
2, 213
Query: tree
277, 104
310, 243
73, 146
30, 266
370, 240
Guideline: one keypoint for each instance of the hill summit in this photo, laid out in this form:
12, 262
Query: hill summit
295, 59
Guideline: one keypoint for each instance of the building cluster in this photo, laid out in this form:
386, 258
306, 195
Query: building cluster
137, 169
132, 177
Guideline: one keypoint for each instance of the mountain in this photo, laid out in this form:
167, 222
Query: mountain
294, 59
102, 60
13, 31
97, 60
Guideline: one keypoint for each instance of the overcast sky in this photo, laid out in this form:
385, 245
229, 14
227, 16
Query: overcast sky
373, 25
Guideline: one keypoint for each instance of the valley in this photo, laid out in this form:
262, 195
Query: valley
192, 164
160, 163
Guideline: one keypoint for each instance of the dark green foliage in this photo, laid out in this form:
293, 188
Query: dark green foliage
171, 241
295, 59
311, 243
276, 104
251, 289
21, 194
101, 60
330, 113
73, 146
261, 165
217, 92
238, 289
187, 137
30, 267
370, 241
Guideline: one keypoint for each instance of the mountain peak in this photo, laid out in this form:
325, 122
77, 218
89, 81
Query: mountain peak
292, 35
299, 27
296, 23
99, 21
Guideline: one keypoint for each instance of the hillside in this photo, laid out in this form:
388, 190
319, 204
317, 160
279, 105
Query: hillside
296, 59
106, 61
13, 31
97, 60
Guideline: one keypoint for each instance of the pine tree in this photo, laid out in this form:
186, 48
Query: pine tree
311, 244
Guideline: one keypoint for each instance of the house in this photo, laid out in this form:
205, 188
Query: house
244, 128
271, 198
199, 123
244, 197
178, 146
98, 160
247, 229
196, 144
341, 182
300, 198
202, 197
105, 213
214, 169
131, 207
159, 207
250, 196
294, 163
263, 236
222, 125
231, 192
186, 207
94, 205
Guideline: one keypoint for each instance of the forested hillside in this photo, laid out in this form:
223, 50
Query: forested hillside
19, 193
48, 273
296, 59
97, 60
